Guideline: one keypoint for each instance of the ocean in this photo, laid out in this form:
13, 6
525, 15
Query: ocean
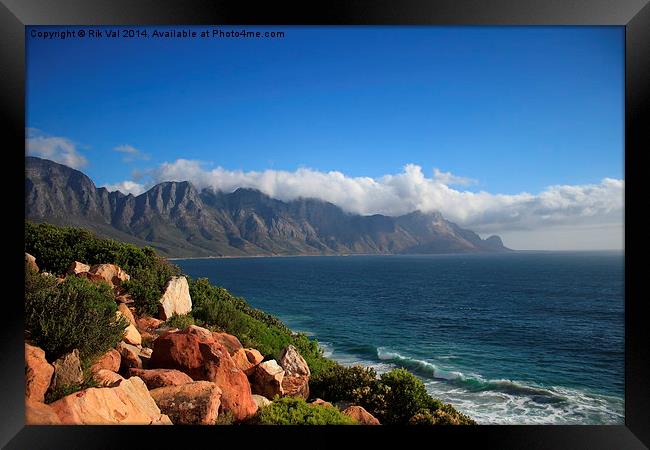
508, 338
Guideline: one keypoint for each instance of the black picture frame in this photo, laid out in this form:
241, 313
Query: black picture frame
634, 15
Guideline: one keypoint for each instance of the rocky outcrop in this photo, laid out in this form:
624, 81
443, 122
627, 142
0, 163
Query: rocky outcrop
266, 379
193, 403
30, 262
77, 267
198, 355
128, 403
157, 378
359, 414
111, 273
38, 373
37, 413
67, 371
176, 298
109, 361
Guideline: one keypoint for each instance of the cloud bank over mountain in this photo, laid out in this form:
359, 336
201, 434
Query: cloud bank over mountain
411, 189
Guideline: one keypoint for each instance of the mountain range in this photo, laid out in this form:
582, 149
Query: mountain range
179, 220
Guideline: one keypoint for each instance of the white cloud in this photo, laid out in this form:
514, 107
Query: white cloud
411, 189
131, 153
55, 148
126, 187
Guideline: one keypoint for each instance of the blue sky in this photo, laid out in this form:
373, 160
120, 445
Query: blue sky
515, 109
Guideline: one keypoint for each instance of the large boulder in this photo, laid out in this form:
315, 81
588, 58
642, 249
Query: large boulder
128, 403
292, 363
360, 415
175, 299
110, 360
111, 273
30, 262
266, 379
296, 386
180, 351
229, 341
296, 380
77, 267
193, 403
157, 378
130, 357
38, 373
237, 396
67, 370
37, 413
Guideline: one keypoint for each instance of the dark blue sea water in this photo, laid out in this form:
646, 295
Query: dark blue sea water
524, 337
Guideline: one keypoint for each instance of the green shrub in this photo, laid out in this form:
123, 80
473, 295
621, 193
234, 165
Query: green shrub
73, 314
180, 321
294, 411
341, 383
55, 248
405, 396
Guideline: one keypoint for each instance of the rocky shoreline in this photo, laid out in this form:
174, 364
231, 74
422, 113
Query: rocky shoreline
159, 375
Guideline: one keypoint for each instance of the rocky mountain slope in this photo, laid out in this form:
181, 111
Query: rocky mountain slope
180, 221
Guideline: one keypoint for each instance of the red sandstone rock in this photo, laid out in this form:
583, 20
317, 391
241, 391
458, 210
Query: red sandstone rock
193, 403
361, 415
109, 361
128, 403
228, 340
38, 373
157, 378
266, 379
37, 413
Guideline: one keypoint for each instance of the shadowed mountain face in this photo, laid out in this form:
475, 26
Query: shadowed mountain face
180, 221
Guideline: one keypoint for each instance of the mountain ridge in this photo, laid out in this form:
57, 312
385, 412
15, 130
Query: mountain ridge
179, 220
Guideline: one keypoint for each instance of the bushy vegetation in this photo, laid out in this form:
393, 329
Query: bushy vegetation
55, 248
397, 397
76, 313
295, 411
180, 321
